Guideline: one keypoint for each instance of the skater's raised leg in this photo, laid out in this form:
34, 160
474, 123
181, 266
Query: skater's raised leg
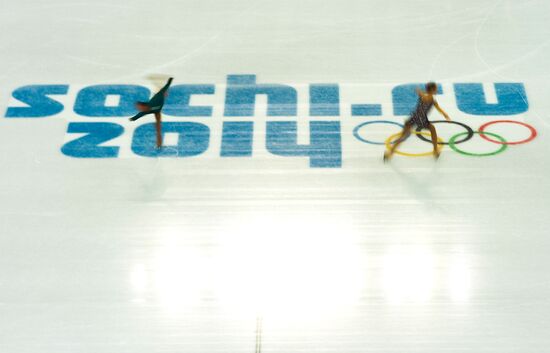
143, 109
139, 115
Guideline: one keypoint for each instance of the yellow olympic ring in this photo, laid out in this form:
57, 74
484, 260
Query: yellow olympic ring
389, 141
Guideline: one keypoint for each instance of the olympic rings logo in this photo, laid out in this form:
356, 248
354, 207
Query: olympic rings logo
455, 139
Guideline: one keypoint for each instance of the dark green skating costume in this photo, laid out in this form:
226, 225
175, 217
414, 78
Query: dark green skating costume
156, 103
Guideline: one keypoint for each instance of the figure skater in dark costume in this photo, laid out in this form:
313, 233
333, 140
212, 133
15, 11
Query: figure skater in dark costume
419, 118
154, 106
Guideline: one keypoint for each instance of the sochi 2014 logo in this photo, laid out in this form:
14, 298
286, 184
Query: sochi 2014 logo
308, 121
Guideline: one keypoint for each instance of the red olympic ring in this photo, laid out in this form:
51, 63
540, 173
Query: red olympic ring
529, 139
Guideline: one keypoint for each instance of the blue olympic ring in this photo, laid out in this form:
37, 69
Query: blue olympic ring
358, 127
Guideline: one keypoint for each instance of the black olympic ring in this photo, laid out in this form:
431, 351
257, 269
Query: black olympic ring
469, 132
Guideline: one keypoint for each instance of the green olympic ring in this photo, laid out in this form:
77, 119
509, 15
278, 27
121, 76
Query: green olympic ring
501, 149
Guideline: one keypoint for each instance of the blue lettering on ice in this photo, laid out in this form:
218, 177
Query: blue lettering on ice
366, 110
87, 146
470, 99
39, 104
240, 97
404, 97
237, 137
90, 101
324, 149
324, 100
177, 103
193, 139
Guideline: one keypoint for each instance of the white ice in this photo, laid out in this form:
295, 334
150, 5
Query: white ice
132, 255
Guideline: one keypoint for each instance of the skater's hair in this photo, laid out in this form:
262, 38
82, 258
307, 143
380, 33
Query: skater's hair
431, 87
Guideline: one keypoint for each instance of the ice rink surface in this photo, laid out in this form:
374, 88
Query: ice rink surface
212, 254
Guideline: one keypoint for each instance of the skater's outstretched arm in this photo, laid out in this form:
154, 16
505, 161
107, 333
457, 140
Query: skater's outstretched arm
166, 86
139, 115
436, 105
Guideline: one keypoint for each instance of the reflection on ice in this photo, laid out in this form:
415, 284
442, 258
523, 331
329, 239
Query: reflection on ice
408, 274
459, 279
176, 277
139, 281
290, 269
